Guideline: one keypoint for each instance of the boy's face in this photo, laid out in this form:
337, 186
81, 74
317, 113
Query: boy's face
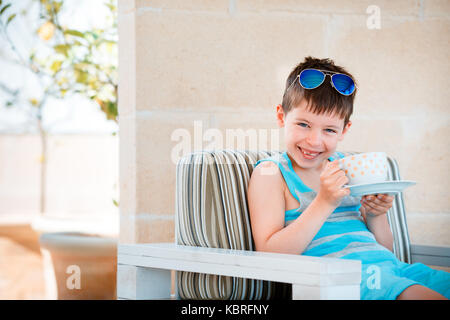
309, 132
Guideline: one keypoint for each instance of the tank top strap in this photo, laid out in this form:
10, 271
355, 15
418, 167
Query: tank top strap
336, 155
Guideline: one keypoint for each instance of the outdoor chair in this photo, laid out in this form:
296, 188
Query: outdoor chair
213, 252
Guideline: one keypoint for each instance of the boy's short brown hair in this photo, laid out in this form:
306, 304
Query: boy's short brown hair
323, 99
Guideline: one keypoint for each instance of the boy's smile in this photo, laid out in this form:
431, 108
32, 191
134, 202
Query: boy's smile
310, 138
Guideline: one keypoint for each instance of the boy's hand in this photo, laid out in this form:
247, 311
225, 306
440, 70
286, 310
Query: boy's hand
375, 205
332, 179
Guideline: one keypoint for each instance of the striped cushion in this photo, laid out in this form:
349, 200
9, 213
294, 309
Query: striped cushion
211, 211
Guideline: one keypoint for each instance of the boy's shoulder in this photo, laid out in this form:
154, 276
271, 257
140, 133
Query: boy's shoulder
276, 159
266, 168
266, 182
276, 156
267, 175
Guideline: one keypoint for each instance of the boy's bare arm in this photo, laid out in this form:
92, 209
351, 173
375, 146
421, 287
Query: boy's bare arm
266, 203
267, 209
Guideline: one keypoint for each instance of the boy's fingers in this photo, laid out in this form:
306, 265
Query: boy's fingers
384, 198
375, 208
341, 181
383, 195
377, 203
344, 191
332, 167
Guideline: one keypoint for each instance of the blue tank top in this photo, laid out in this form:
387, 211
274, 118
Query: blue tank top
344, 233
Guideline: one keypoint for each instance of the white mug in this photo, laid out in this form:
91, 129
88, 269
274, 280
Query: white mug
364, 168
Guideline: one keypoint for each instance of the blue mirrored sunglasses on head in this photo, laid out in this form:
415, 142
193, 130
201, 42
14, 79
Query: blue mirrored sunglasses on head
313, 78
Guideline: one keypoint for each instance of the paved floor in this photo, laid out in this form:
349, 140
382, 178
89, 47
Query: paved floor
21, 268
21, 272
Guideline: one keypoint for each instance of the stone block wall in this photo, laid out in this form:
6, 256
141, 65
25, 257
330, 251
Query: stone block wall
222, 64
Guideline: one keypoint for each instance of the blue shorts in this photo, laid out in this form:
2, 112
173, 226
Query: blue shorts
386, 278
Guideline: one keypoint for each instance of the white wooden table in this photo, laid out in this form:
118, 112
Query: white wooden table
144, 270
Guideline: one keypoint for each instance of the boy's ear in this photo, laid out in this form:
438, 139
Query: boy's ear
280, 116
345, 130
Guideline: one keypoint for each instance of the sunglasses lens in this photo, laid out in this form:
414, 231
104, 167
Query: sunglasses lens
343, 83
310, 79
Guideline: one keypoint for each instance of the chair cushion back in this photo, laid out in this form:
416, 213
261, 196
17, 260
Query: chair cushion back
211, 211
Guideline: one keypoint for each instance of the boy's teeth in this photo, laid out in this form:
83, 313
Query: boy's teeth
311, 154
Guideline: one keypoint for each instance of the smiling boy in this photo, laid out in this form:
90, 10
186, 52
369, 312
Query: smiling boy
297, 201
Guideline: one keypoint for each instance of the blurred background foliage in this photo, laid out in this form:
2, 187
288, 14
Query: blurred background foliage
66, 61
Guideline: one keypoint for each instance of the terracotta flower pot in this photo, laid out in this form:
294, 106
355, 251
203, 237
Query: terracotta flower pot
79, 266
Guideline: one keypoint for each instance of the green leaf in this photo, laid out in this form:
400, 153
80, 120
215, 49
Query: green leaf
11, 17
56, 65
4, 8
111, 7
34, 102
82, 66
74, 33
81, 76
62, 48
57, 6
110, 110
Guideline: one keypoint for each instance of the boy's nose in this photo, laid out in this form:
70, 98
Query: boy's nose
314, 138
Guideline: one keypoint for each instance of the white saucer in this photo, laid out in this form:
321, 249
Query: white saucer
387, 187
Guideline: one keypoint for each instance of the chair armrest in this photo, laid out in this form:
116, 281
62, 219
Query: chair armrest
431, 255
311, 277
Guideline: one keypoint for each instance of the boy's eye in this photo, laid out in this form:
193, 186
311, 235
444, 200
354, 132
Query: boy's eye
304, 125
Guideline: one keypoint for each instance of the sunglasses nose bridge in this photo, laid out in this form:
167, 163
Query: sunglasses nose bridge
331, 80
